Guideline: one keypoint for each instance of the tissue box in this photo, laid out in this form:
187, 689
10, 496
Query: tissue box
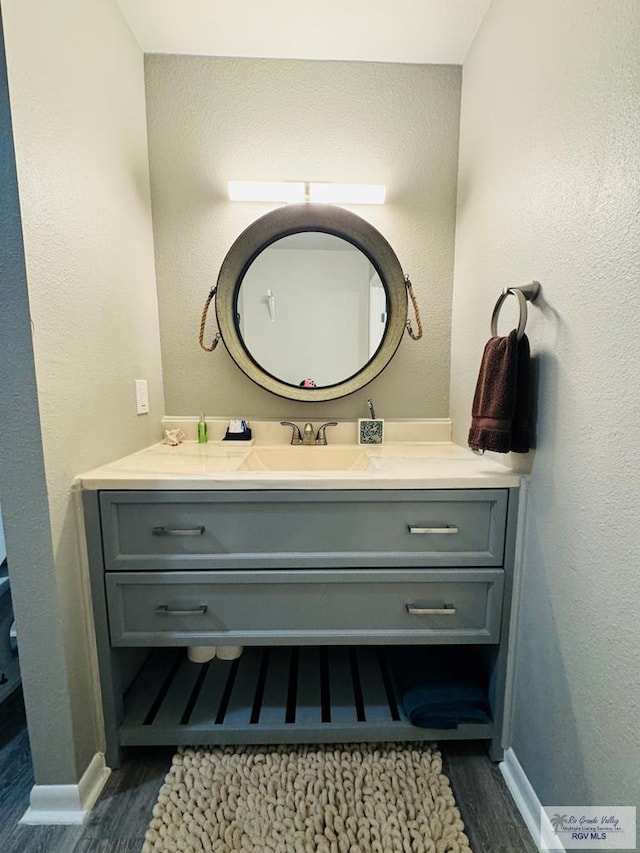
245, 435
370, 431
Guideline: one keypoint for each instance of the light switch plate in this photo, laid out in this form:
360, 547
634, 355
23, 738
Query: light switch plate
142, 397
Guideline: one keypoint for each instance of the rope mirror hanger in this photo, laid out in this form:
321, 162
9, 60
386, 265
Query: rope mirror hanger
415, 336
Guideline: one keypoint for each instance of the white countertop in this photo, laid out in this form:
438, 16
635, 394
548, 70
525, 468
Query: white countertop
218, 465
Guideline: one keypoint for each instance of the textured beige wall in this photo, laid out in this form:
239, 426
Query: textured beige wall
549, 183
211, 120
77, 97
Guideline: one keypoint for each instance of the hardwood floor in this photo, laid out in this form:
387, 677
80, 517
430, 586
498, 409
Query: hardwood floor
118, 822
492, 821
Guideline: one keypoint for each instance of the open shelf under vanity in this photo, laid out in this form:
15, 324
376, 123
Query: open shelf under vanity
274, 695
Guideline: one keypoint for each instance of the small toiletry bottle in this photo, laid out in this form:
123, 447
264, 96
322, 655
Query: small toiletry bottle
202, 430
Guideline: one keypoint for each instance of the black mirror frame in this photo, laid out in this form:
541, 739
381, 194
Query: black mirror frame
294, 219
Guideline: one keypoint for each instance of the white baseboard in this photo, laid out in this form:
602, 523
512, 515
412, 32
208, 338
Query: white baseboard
68, 804
528, 803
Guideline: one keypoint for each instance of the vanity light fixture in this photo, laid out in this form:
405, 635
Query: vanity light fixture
292, 192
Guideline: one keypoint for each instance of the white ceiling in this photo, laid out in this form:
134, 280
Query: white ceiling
424, 31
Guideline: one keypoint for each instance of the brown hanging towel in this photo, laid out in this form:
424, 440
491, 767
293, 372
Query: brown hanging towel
522, 422
501, 411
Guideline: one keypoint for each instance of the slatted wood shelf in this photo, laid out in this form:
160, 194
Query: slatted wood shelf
272, 695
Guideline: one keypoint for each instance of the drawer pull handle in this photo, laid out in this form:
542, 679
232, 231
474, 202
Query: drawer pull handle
448, 528
165, 610
416, 610
178, 531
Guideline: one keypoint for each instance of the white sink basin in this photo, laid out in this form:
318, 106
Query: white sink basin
304, 458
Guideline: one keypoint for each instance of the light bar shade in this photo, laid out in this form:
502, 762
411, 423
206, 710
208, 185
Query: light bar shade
292, 192
347, 193
283, 191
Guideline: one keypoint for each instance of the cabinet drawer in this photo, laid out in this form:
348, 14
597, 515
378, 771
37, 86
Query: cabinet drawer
289, 529
182, 608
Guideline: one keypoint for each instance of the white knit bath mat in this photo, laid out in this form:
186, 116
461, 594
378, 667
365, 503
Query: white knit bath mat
312, 798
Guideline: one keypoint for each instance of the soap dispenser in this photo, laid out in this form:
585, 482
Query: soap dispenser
202, 430
371, 429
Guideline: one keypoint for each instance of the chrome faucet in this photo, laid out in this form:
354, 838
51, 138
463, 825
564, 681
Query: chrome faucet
296, 435
321, 437
306, 436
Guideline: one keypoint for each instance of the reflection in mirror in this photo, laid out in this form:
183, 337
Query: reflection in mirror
311, 308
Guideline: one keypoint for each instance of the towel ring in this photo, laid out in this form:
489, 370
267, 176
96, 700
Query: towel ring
524, 294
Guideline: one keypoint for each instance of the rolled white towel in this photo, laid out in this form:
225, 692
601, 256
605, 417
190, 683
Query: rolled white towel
229, 652
201, 654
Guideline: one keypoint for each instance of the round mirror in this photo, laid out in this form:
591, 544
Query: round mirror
311, 302
311, 308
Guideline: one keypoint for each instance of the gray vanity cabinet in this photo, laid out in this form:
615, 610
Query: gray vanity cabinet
324, 589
